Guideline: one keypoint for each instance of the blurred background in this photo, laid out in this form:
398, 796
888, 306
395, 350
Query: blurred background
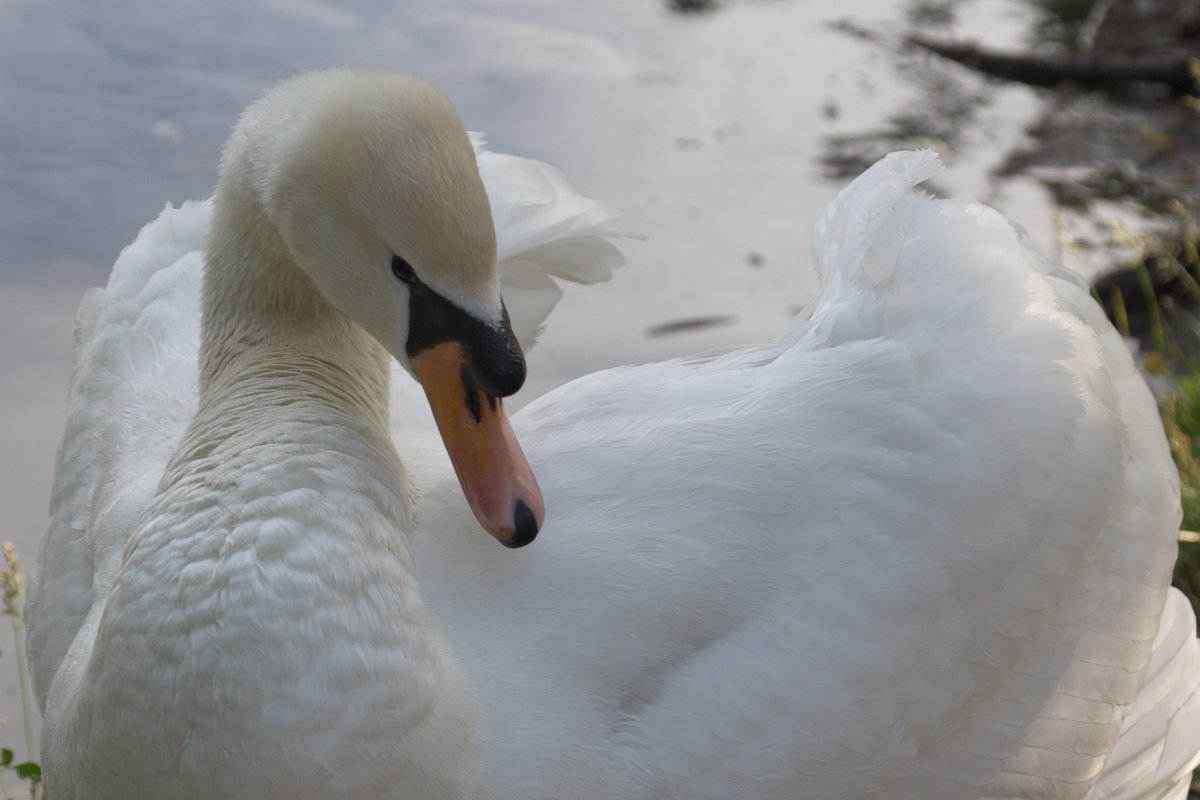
720, 128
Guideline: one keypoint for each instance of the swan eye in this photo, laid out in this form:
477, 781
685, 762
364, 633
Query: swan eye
403, 270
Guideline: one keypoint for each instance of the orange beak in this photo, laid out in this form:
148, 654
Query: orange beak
491, 468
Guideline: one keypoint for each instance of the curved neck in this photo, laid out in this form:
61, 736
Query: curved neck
294, 396
262, 315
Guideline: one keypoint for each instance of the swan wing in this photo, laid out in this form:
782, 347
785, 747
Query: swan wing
133, 390
919, 546
1157, 751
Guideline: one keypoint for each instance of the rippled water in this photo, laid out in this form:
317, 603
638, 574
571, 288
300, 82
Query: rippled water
707, 129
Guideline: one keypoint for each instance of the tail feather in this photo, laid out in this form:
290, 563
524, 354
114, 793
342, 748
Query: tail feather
862, 229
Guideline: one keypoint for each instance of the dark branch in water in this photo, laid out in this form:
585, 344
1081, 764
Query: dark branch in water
1093, 71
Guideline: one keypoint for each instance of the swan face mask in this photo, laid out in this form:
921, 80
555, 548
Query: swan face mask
396, 231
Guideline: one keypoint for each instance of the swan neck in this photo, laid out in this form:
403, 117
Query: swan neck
264, 320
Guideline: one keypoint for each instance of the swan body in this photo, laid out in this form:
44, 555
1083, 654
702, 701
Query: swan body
919, 546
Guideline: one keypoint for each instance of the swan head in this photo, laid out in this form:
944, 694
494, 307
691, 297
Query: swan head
372, 182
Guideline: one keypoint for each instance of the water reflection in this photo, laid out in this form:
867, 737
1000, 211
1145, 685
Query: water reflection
945, 114
1128, 150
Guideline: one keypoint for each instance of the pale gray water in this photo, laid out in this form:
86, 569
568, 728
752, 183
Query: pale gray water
705, 129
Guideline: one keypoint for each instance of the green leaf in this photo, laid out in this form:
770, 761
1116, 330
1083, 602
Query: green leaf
29, 771
6, 757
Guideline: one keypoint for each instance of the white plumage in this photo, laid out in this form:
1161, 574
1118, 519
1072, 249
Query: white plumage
917, 547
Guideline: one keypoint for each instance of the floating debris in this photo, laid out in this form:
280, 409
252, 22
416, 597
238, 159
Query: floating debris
688, 324
692, 6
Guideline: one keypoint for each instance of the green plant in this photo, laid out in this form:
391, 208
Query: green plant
1161, 312
12, 584
1181, 420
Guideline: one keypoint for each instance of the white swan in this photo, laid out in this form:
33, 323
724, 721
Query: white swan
918, 546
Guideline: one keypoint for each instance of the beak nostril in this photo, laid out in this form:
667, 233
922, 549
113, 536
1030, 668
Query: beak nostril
471, 395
